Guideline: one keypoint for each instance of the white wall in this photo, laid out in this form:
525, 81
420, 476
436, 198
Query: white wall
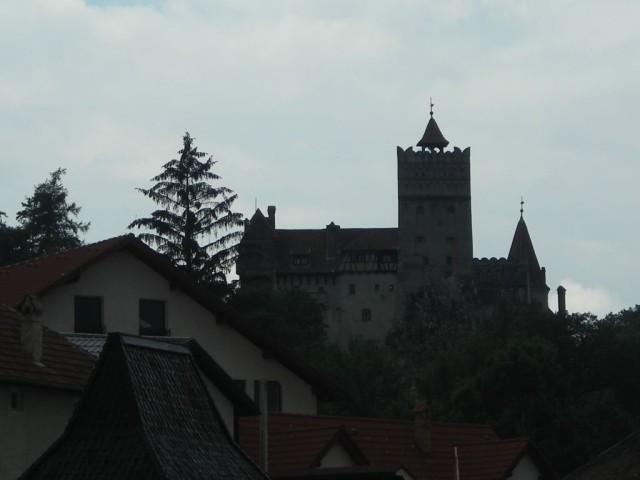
27, 434
122, 280
526, 470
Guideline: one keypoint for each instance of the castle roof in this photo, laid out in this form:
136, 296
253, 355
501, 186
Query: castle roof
433, 137
522, 251
259, 227
146, 414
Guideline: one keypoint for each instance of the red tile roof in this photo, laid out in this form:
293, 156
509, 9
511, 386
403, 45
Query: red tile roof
63, 364
383, 442
38, 275
490, 460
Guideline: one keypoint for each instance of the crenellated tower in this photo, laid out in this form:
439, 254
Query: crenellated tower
434, 210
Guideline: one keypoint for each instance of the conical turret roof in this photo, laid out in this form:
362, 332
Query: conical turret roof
433, 137
522, 251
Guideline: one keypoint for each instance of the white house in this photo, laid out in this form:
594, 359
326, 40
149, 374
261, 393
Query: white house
122, 285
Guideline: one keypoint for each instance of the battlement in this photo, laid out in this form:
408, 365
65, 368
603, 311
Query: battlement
426, 156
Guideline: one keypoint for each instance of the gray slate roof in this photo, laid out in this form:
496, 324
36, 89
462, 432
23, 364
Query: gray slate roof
145, 415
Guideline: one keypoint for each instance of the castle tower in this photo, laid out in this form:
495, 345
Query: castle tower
434, 211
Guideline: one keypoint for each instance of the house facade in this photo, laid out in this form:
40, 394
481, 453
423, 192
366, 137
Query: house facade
363, 277
41, 379
121, 285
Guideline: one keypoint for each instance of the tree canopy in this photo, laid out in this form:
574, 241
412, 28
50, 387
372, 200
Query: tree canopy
195, 226
46, 224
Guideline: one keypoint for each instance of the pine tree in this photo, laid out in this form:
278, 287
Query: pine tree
196, 227
47, 223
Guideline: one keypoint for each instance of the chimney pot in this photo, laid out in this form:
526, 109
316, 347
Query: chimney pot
271, 212
422, 427
31, 328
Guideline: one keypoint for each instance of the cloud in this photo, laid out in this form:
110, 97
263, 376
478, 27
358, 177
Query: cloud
582, 299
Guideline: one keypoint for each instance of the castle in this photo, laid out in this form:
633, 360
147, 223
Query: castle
362, 276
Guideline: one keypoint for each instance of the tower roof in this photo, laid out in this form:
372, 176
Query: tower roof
522, 251
433, 137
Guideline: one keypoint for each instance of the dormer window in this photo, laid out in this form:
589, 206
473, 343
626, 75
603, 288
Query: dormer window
300, 260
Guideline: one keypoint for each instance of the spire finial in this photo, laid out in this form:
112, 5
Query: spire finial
521, 206
431, 105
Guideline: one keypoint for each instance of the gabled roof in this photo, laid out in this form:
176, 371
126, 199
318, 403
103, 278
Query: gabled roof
620, 462
43, 274
383, 442
292, 450
63, 366
259, 227
93, 343
522, 251
490, 460
145, 415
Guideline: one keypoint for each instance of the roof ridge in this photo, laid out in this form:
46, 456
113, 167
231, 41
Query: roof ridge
64, 252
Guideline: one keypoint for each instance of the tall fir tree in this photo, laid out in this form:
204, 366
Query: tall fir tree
195, 227
47, 222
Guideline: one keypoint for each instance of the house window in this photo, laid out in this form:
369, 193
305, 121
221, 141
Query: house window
17, 400
366, 314
352, 289
87, 315
274, 395
420, 239
153, 319
300, 260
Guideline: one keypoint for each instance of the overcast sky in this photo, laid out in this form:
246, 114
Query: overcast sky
303, 103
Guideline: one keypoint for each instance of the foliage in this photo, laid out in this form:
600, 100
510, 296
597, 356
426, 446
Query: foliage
195, 227
46, 221
292, 317
568, 382
372, 377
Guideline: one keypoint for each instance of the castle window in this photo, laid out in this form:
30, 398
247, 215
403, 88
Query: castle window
449, 260
376, 287
320, 289
391, 287
452, 240
451, 209
419, 210
420, 239
300, 260
386, 258
425, 260
352, 289
358, 257
366, 314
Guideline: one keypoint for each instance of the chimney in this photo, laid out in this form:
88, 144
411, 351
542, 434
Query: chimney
422, 428
31, 328
333, 232
562, 303
271, 212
